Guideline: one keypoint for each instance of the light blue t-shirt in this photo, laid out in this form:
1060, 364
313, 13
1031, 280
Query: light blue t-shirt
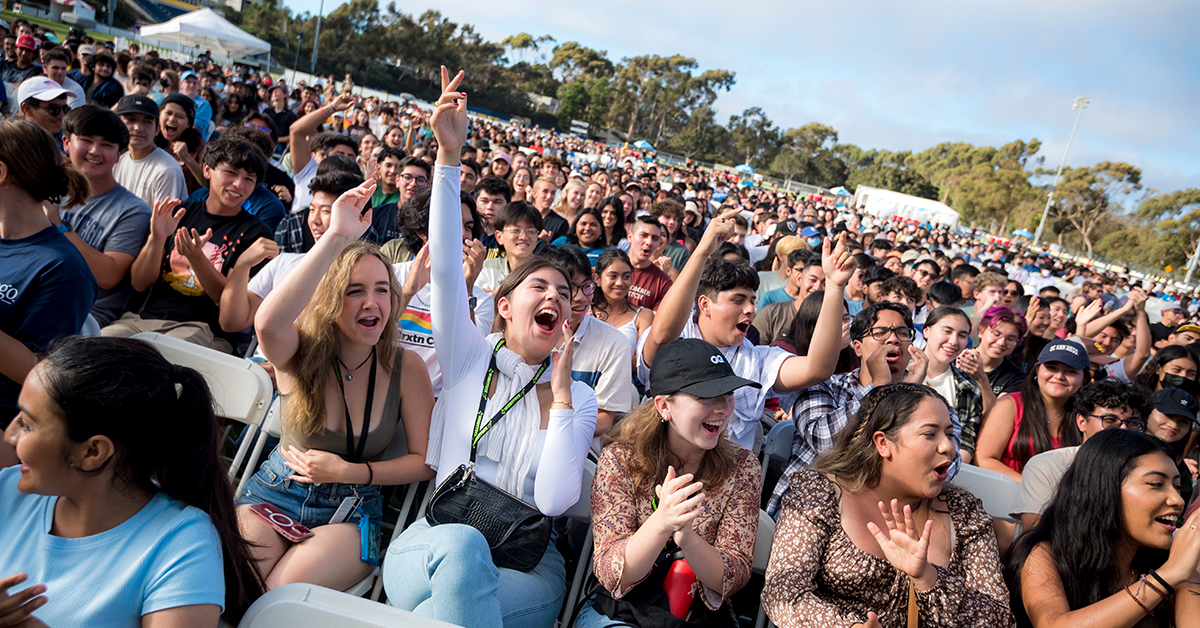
166, 556
777, 295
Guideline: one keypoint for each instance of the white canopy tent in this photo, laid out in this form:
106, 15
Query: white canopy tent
886, 203
206, 30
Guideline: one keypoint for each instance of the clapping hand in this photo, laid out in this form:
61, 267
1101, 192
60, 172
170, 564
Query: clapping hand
261, 249
679, 500
904, 545
474, 253
1085, 315
969, 362
918, 367
165, 220
190, 244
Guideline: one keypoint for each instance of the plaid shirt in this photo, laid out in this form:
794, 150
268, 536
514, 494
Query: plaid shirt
968, 404
289, 234
820, 413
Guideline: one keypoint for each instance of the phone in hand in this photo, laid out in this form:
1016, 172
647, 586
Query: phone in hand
283, 524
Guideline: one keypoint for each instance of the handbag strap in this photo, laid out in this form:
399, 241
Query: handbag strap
912, 604
482, 428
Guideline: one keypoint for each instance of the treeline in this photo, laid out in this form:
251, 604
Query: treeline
669, 101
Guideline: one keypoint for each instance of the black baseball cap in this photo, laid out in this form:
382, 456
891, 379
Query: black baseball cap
1069, 352
137, 103
695, 367
1175, 401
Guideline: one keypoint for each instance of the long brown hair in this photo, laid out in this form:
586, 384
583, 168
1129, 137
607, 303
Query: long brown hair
514, 279
853, 458
319, 342
1033, 435
36, 165
644, 433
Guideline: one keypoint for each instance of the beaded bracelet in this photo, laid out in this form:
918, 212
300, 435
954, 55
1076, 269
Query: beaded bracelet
1154, 587
1154, 574
1138, 602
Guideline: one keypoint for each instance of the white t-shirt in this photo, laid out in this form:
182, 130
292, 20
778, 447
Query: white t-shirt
75, 96
153, 178
944, 384
416, 326
270, 275
601, 360
304, 196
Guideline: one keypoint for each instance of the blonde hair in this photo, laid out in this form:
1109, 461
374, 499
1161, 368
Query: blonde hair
562, 198
644, 434
316, 353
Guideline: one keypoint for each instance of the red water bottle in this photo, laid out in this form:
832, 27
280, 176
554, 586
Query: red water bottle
678, 585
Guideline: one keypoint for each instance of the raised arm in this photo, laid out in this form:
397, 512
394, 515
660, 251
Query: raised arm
803, 371
164, 219
307, 125
275, 320
676, 305
1143, 342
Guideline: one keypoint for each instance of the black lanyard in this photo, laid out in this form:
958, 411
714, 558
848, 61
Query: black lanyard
480, 429
354, 454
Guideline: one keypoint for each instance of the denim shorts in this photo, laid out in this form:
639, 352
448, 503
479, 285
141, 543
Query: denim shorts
309, 504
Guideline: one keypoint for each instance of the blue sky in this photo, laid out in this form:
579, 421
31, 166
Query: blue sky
909, 75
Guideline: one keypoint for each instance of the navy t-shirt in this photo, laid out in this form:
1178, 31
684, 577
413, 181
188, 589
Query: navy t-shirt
177, 295
46, 292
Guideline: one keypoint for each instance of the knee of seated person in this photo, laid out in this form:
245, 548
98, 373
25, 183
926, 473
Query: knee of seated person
459, 542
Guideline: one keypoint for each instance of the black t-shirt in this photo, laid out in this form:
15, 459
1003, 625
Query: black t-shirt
283, 120
385, 222
556, 225
13, 74
1158, 331
275, 177
177, 295
1007, 378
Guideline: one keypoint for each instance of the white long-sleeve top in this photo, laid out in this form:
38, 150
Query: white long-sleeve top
464, 354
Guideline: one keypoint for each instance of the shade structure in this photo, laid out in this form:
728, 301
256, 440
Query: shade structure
206, 30
744, 168
1024, 233
884, 204
643, 144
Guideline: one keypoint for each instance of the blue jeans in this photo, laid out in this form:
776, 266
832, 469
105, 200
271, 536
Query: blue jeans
589, 617
309, 504
446, 572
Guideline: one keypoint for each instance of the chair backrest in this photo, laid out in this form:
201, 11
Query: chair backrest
582, 509
778, 443
240, 388
999, 492
762, 542
312, 606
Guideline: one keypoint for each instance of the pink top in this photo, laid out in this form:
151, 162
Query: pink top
1009, 457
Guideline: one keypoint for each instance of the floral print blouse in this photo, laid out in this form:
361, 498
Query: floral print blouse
818, 578
729, 521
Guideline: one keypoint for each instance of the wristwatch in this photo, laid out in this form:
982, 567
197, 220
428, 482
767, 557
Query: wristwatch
63, 228
472, 300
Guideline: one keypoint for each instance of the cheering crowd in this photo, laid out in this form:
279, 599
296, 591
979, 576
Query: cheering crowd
502, 304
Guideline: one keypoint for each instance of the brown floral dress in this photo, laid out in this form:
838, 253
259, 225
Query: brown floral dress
818, 578
729, 521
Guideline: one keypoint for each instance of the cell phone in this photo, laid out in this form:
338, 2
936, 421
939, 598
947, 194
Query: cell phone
283, 524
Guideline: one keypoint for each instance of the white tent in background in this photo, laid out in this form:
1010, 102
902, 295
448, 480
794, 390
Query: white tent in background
206, 30
886, 203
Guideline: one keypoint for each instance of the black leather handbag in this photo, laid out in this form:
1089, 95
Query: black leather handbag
516, 532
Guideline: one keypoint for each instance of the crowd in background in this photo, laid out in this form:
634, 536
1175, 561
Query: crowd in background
513, 302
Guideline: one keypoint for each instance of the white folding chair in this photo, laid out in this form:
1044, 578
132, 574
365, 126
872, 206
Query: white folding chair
581, 511
999, 492
241, 389
762, 553
777, 445
312, 606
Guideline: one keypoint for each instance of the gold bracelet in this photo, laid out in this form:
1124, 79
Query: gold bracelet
565, 403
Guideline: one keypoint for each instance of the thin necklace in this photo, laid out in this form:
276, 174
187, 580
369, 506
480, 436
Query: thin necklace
350, 371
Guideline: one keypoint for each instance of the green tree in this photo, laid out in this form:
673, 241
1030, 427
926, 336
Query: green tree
701, 137
755, 137
1086, 197
808, 155
894, 179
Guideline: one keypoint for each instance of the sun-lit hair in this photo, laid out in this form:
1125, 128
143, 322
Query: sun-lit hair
319, 341
514, 279
644, 434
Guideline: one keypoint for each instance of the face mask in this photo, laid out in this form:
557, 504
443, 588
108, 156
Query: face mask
1045, 272
1180, 382
814, 243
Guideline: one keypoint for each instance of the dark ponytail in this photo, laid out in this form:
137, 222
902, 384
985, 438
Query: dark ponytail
36, 165
164, 440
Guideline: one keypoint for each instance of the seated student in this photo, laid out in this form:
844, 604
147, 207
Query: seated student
491, 195
1037, 317
413, 177
192, 249
112, 226
330, 330
149, 172
999, 331
602, 354
649, 283
1172, 420
987, 292
1038, 418
872, 281
1172, 367
294, 234
799, 337
944, 293
873, 533
1103, 553
48, 286
586, 233
386, 176
856, 290
723, 295
612, 218
1187, 334
669, 214
774, 317
517, 227
953, 370
881, 336
117, 517
613, 274
416, 333
243, 295
1101, 405
1111, 330
262, 202
669, 486
902, 290
535, 450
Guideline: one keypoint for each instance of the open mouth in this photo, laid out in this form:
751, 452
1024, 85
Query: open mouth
893, 354
942, 470
743, 327
545, 319
712, 427
1168, 521
369, 322
169, 128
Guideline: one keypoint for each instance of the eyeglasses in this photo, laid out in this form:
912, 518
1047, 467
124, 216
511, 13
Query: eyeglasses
1110, 420
54, 108
515, 232
926, 273
1012, 293
408, 178
880, 334
588, 288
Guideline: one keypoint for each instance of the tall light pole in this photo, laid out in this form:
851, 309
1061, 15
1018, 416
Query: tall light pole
1081, 103
317, 38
